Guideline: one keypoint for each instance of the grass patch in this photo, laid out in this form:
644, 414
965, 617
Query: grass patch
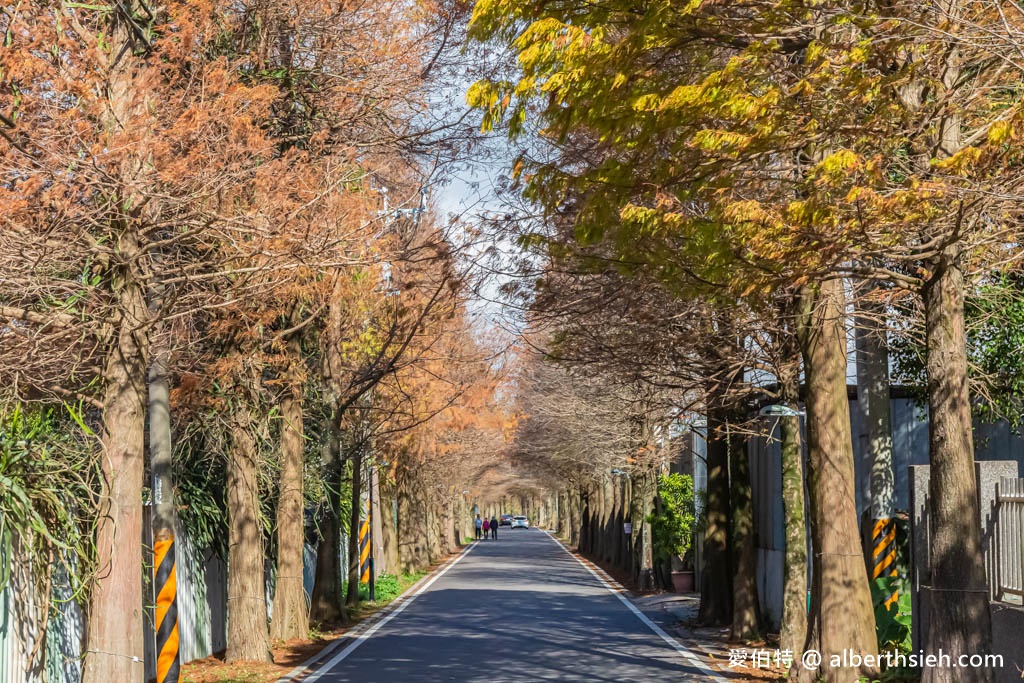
387, 588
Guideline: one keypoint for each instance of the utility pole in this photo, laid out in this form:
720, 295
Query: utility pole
873, 399
372, 512
164, 574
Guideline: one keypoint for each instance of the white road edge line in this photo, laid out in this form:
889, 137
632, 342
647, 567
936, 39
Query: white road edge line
669, 640
362, 637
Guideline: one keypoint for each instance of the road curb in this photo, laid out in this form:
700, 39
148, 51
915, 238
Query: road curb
362, 630
620, 591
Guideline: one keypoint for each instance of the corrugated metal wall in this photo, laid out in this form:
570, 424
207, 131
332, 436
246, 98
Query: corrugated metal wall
56, 659
202, 618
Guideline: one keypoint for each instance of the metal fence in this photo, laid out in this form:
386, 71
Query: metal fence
1010, 497
24, 609
202, 616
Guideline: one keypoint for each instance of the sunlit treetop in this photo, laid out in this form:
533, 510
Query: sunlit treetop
749, 144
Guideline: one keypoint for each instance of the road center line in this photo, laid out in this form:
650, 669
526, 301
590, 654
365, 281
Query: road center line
363, 637
669, 640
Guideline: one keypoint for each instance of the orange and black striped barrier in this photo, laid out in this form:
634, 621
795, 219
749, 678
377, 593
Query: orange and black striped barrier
168, 663
883, 553
364, 549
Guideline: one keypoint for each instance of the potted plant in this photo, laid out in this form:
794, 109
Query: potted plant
672, 527
682, 573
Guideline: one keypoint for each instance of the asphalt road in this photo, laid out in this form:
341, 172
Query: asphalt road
516, 609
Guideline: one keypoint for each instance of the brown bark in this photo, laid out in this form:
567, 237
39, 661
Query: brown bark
620, 542
745, 608
843, 605
115, 613
576, 516
432, 527
411, 523
608, 521
327, 602
114, 641
959, 619
354, 520
793, 631
389, 529
716, 587
643, 507
248, 638
290, 616
589, 517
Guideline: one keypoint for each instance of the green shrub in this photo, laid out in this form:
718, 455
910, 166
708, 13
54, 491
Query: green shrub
672, 526
48, 481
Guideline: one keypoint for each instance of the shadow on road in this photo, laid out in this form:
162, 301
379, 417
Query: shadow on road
515, 609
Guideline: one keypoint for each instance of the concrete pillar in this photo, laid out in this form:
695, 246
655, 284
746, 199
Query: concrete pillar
920, 570
988, 473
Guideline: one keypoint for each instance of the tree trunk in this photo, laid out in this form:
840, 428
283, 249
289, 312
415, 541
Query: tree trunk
716, 587
354, 521
290, 616
248, 638
389, 530
745, 609
846, 616
327, 602
576, 521
406, 542
561, 523
584, 534
115, 613
645, 500
793, 631
115, 646
608, 522
618, 552
959, 620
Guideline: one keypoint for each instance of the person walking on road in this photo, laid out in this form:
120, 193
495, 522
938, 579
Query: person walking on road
487, 525
494, 527
478, 524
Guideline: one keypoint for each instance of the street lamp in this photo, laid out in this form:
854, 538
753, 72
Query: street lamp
779, 410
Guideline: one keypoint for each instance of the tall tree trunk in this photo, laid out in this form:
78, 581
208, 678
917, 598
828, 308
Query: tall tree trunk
562, 521
716, 586
608, 522
644, 505
115, 613
959, 620
354, 521
389, 529
115, 647
327, 602
290, 616
619, 541
583, 545
847, 619
793, 631
248, 638
410, 545
745, 608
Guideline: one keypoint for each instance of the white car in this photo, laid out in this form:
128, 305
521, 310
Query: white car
520, 522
